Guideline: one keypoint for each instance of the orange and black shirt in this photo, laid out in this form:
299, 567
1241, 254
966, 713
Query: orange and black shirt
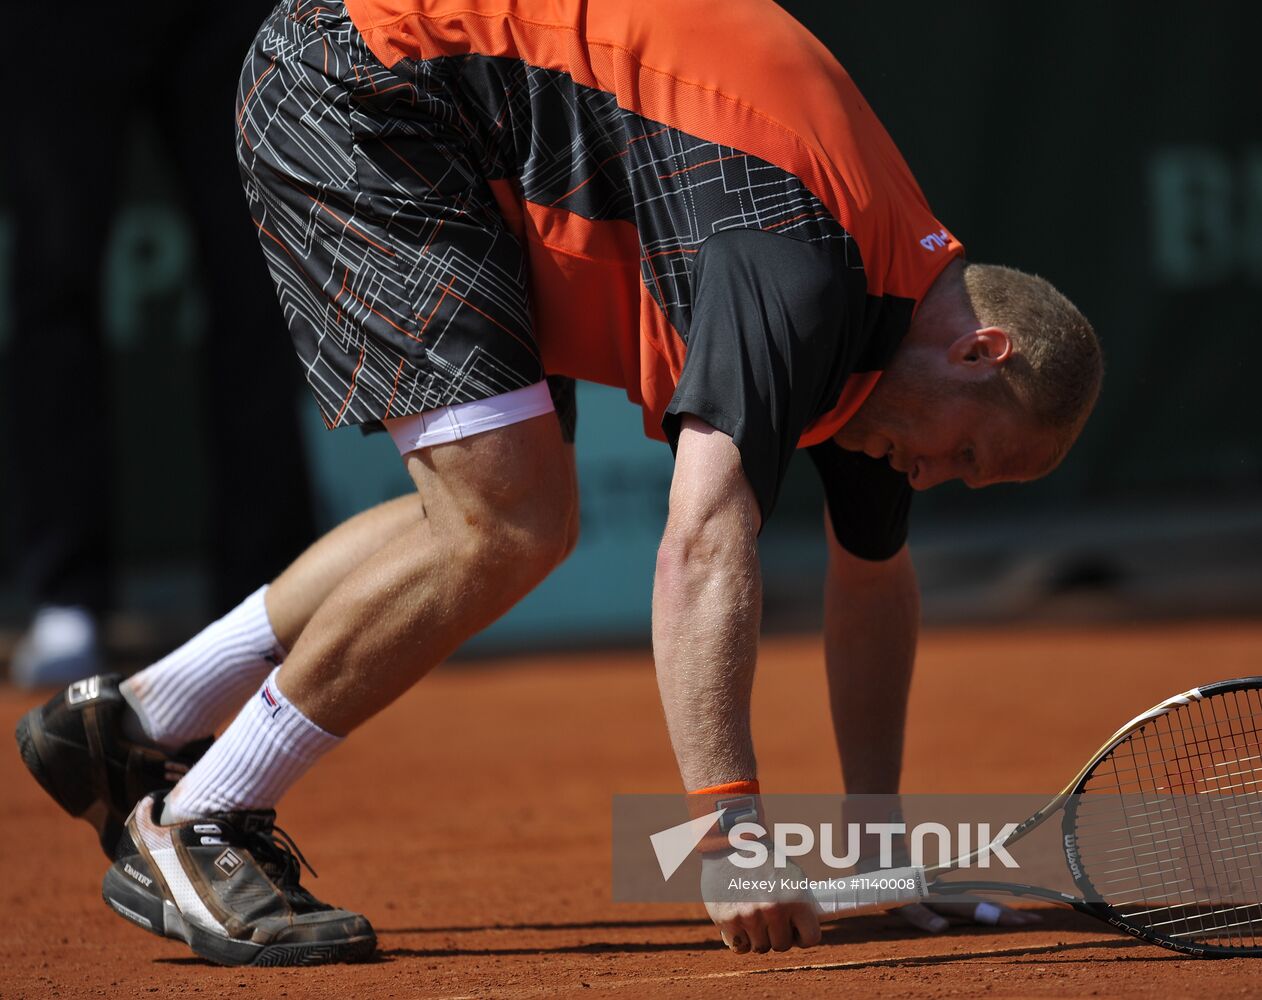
714, 219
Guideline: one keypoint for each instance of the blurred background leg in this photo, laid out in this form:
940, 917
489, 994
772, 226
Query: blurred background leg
62, 170
261, 514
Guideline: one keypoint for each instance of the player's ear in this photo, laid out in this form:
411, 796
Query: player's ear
987, 346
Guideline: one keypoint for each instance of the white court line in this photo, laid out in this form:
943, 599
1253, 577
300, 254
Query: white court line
610, 983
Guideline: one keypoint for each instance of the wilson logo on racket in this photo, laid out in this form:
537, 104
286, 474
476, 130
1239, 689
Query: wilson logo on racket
1071, 857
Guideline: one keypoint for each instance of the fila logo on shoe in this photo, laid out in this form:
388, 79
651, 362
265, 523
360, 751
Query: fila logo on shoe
84, 690
229, 862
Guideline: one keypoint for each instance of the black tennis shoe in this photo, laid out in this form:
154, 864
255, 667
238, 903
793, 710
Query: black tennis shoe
75, 748
228, 886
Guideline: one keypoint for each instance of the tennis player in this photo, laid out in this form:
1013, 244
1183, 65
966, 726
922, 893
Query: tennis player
467, 206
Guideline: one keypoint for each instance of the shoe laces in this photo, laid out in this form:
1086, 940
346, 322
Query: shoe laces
281, 859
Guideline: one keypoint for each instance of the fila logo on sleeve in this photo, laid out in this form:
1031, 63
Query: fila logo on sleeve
935, 241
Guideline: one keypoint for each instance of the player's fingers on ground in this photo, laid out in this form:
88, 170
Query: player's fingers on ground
806, 930
994, 914
1003, 916
1006, 917
780, 928
735, 938
755, 925
923, 918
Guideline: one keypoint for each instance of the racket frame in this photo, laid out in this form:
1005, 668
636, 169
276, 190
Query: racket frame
1066, 802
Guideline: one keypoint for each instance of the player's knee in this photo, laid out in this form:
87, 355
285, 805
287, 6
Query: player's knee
555, 529
528, 539
548, 521
571, 534
506, 499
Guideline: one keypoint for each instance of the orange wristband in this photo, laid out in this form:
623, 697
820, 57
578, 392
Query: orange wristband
740, 802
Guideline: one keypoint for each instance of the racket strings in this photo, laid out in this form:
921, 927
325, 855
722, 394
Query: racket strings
1228, 864
1176, 843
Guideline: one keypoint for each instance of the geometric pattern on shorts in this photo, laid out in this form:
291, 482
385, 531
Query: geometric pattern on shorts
401, 286
397, 300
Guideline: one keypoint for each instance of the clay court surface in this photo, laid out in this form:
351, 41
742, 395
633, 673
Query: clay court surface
471, 823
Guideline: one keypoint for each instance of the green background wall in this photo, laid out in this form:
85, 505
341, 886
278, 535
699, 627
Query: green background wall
1116, 149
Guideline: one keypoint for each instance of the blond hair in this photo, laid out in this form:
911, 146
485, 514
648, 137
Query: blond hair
1056, 367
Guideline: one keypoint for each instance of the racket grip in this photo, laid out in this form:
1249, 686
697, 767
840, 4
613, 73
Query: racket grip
877, 890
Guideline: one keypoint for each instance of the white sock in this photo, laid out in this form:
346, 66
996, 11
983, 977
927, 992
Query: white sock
188, 694
268, 747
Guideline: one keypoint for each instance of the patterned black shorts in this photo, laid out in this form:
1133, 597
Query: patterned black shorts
401, 286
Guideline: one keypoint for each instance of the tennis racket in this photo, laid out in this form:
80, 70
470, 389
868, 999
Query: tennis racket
1162, 831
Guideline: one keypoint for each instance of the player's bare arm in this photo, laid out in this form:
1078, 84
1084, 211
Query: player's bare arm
871, 622
871, 626
707, 608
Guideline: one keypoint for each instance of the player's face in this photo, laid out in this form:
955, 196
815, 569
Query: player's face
936, 428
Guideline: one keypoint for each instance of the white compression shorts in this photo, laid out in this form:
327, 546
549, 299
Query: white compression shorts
462, 420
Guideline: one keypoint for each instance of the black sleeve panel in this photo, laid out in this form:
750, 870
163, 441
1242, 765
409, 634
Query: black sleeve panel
768, 348
868, 502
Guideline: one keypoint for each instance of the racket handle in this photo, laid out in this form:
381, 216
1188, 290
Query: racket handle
878, 890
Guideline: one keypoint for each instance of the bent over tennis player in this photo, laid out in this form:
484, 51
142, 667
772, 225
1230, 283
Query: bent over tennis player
467, 206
